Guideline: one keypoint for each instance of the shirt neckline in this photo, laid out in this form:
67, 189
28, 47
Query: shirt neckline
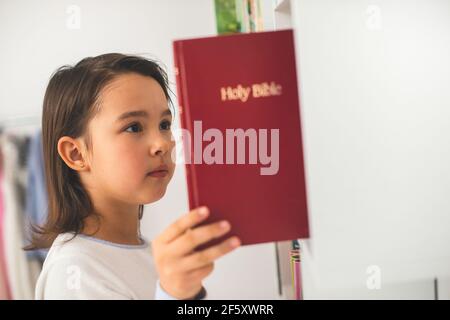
143, 245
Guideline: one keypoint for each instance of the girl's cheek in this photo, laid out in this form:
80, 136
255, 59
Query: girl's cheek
130, 155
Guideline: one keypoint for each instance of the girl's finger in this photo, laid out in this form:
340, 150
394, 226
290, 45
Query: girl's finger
187, 221
209, 255
194, 237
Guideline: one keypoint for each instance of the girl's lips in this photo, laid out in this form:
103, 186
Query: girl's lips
158, 173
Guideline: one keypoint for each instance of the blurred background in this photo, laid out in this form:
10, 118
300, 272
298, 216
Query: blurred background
375, 103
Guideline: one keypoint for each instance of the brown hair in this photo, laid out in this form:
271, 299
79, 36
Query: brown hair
69, 104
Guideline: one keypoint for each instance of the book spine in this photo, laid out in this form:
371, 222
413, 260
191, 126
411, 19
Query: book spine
186, 123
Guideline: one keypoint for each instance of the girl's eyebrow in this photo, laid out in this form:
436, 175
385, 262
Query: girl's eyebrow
139, 113
166, 112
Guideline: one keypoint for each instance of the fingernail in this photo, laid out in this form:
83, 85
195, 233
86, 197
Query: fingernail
203, 211
235, 242
224, 225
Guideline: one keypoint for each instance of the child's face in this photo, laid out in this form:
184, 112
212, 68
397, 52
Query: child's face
124, 151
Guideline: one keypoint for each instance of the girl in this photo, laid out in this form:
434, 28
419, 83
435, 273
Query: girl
107, 149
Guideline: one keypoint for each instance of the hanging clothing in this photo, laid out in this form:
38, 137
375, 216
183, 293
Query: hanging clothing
22, 274
4, 285
37, 205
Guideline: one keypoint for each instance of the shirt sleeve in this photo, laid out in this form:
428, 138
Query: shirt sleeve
161, 294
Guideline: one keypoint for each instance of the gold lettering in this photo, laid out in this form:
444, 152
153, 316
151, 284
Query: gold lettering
257, 90
266, 90
237, 93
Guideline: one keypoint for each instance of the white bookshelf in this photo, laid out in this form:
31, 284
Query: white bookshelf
372, 203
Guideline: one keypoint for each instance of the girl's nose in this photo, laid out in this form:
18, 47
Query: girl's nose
160, 145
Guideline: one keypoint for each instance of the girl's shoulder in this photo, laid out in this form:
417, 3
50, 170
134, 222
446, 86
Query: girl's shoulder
101, 270
67, 244
82, 247
68, 249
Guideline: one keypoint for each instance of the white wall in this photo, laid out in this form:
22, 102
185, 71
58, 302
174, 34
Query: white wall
36, 37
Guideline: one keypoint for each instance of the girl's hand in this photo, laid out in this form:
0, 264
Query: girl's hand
180, 268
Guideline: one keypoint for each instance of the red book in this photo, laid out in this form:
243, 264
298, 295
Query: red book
239, 110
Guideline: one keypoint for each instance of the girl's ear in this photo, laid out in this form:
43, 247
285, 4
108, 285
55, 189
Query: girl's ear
71, 152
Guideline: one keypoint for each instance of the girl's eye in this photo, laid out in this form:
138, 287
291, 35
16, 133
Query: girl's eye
165, 125
134, 128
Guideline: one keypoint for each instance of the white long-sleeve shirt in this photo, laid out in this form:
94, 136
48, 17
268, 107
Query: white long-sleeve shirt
90, 268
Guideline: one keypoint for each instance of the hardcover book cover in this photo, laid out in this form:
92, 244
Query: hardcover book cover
242, 137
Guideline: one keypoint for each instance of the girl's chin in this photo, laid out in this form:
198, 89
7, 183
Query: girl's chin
153, 195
